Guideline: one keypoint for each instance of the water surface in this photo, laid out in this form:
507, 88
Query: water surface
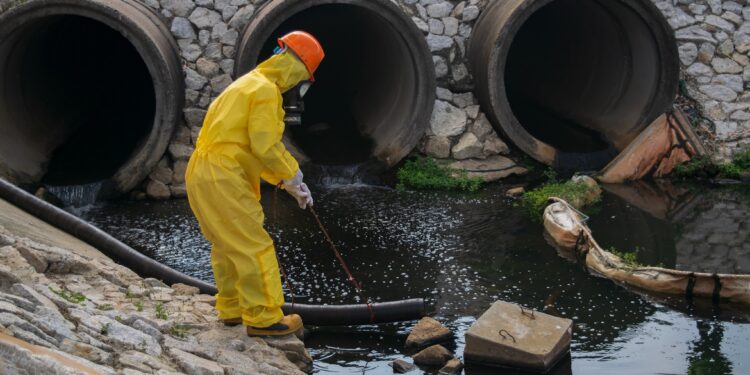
465, 251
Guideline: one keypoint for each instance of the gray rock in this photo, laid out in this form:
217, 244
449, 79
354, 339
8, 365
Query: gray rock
699, 69
436, 26
293, 348
742, 42
733, 81
402, 367
435, 355
206, 67
421, 25
17, 359
87, 352
706, 53
157, 190
204, 18
491, 169
440, 10
438, 147
240, 19
681, 19
463, 100
116, 333
726, 48
471, 13
161, 174
428, 331
718, 92
694, 34
688, 53
180, 152
221, 82
444, 94
439, 43
189, 51
722, 65
182, 29
495, 146
194, 116
194, 365
142, 362
180, 8
441, 66
468, 147
719, 22
447, 120
472, 111
227, 66
481, 127
178, 191
204, 37
450, 26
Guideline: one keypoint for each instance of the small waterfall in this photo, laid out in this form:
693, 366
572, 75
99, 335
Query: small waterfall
77, 195
337, 175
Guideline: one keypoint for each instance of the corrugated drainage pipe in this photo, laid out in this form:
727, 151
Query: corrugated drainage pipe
573, 82
90, 90
375, 90
328, 315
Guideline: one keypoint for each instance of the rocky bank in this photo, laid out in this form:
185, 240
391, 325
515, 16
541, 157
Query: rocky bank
75, 311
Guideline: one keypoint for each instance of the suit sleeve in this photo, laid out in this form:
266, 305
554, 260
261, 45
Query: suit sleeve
266, 129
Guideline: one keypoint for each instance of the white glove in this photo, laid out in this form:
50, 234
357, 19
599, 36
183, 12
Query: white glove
299, 190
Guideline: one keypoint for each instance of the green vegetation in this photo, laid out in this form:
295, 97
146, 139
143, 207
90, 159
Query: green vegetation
630, 259
72, 297
426, 174
105, 307
577, 194
178, 330
104, 330
706, 167
160, 312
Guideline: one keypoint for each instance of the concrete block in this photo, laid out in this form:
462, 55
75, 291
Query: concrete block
507, 335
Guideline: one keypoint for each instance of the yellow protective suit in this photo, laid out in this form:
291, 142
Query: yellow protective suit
239, 144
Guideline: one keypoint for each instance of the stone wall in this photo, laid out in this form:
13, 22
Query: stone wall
713, 38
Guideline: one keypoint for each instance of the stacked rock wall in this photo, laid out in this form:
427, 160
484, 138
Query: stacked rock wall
713, 38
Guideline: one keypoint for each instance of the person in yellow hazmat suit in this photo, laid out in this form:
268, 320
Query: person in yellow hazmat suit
240, 144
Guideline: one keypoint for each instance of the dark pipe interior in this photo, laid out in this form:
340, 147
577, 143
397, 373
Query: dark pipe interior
364, 84
84, 98
569, 71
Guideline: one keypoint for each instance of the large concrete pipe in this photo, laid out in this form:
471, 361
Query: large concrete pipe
90, 90
572, 82
376, 88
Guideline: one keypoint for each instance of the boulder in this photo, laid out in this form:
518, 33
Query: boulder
508, 335
468, 147
438, 147
453, 367
435, 355
491, 169
427, 332
402, 367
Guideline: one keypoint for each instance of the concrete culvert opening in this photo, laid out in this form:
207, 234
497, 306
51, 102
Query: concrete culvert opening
78, 103
374, 92
572, 82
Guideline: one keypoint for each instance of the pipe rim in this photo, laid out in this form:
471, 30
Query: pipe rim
272, 14
498, 105
156, 47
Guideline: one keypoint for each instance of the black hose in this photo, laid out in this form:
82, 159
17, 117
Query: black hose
328, 315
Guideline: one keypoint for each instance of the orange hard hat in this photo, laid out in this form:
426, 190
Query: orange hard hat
306, 47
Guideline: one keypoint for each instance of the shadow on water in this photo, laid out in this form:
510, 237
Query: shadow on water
463, 252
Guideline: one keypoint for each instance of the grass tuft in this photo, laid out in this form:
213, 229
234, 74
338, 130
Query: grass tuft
426, 174
577, 194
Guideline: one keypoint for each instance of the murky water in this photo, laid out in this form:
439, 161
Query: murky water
464, 252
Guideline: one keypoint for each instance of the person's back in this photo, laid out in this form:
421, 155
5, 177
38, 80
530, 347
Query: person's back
239, 144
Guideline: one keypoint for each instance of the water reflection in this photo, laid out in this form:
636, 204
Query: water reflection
466, 251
